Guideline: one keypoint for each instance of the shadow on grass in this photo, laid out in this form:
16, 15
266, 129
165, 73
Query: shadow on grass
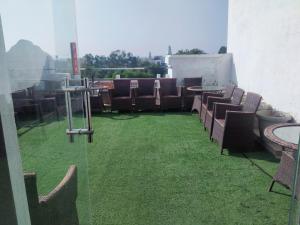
134, 115
28, 125
252, 156
281, 193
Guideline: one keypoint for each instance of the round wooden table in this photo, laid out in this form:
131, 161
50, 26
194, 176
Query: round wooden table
284, 134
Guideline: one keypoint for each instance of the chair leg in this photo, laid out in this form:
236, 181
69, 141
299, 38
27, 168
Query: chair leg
271, 186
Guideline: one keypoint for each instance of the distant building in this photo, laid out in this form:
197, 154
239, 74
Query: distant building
160, 60
169, 50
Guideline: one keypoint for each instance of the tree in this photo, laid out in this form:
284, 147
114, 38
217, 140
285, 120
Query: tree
194, 51
118, 59
88, 60
223, 50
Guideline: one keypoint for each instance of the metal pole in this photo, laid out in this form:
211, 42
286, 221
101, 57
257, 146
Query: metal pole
88, 110
69, 111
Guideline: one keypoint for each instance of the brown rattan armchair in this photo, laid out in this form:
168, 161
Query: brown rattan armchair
228, 92
233, 124
236, 99
96, 102
145, 95
59, 206
188, 96
170, 94
285, 172
120, 95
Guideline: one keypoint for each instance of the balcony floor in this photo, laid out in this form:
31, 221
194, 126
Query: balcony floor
155, 168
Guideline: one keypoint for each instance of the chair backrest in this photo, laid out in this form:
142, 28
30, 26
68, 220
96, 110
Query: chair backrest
168, 86
229, 91
252, 102
121, 87
237, 96
145, 86
192, 81
19, 94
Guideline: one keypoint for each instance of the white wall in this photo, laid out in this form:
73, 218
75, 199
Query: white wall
214, 68
264, 38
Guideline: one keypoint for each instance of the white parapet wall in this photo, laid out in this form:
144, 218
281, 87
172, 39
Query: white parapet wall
213, 68
264, 38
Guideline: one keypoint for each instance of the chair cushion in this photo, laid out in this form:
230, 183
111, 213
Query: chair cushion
220, 122
168, 86
121, 88
146, 87
209, 113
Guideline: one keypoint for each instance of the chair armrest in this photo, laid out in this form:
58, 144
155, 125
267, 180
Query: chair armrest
221, 108
46, 99
208, 94
179, 90
211, 100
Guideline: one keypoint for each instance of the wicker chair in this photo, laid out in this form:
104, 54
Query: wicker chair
226, 95
233, 124
145, 95
96, 103
59, 206
188, 96
120, 95
169, 94
286, 172
236, 99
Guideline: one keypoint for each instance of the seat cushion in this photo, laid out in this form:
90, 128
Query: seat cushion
145, 96
121, 97
171, 96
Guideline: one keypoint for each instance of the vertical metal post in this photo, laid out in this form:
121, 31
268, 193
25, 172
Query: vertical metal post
69, 111
88, 110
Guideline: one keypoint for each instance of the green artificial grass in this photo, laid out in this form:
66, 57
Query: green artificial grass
158, 169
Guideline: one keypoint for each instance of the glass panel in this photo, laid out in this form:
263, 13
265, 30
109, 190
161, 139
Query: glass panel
289, 134
12, 188
40, 58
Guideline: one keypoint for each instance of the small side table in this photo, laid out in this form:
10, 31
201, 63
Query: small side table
284, 134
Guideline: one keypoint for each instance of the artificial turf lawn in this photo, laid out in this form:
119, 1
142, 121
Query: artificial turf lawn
156, 169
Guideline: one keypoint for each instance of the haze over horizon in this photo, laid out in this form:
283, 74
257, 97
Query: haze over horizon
136, 26
143, 26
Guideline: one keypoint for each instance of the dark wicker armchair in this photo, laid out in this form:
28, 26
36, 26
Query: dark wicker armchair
236, 99
188, 96
285, 172
170, 94
120, 95
228, 92
59, 206
233, 124
145, 95
96, 103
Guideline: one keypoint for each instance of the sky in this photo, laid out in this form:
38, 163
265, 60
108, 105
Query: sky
137, 26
